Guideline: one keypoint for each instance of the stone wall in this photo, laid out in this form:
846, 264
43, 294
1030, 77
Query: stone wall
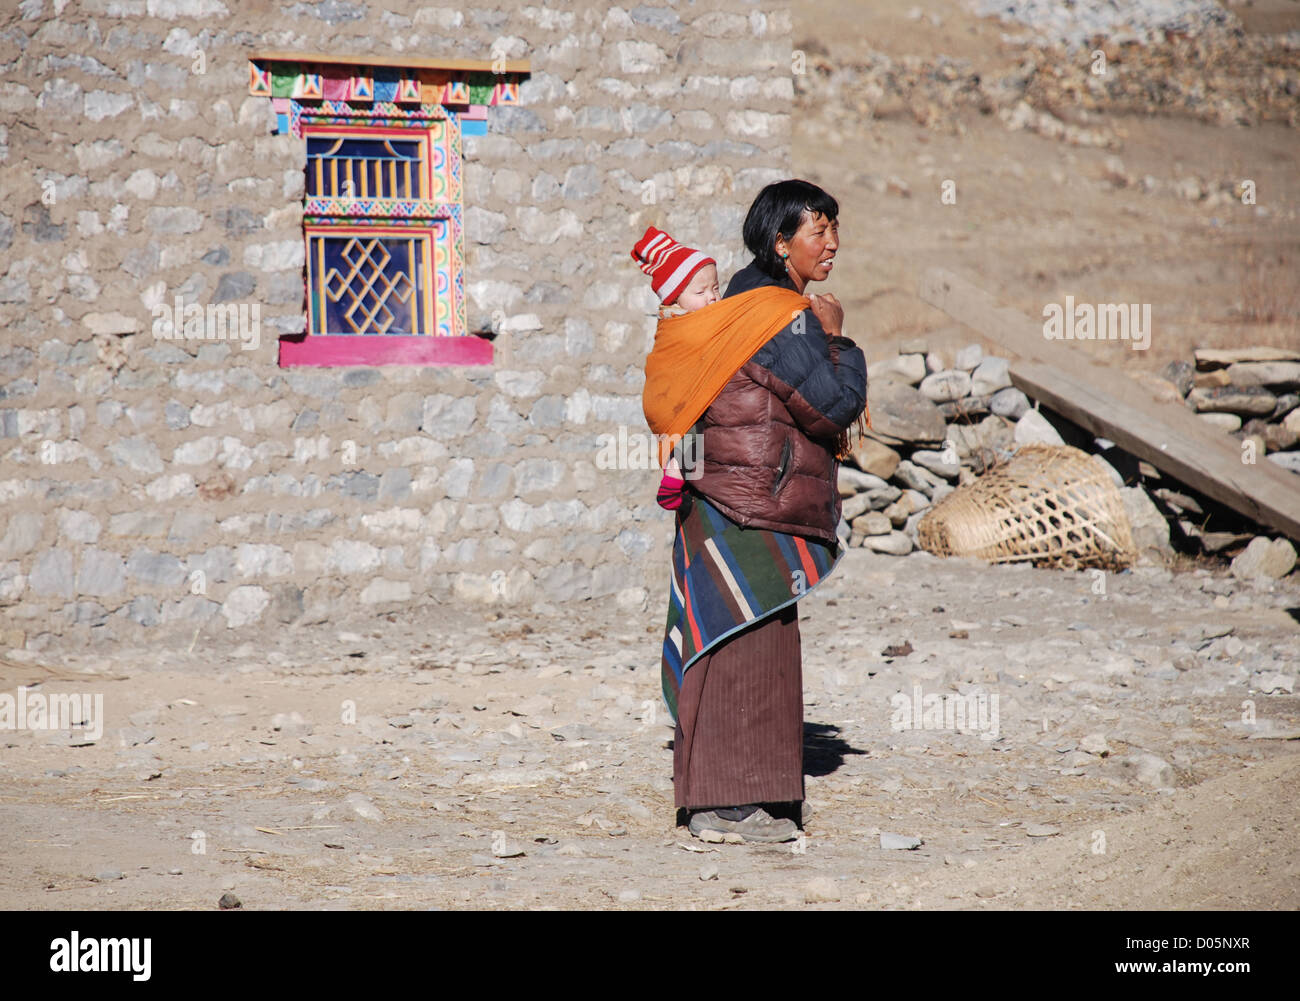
148, 482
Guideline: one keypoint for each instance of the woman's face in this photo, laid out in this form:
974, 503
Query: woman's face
812, 248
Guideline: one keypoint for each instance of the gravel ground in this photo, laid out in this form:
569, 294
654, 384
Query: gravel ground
461, 758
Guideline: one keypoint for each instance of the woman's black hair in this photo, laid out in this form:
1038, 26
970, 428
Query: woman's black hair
779, 209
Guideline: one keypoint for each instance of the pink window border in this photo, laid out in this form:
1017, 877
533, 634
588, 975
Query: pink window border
342, 350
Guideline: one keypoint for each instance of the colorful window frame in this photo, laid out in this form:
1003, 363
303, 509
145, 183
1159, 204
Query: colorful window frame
384, 257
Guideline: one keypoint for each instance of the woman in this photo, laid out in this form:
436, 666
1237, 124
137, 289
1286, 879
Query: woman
759, 532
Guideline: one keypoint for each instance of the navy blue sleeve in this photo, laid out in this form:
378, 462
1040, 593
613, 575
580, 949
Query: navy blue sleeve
824, 395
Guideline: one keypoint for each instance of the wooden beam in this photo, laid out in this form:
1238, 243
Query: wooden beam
412, 62
1108, 404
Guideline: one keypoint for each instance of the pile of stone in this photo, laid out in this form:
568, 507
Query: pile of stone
1077, 22
1252, 393
937, 425
934, 425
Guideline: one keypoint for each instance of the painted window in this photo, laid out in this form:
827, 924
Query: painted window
381, 220
382, 205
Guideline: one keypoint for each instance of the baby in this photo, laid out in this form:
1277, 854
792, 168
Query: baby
685, 280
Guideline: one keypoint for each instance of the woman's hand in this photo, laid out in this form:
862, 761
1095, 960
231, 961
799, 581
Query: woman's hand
829, 313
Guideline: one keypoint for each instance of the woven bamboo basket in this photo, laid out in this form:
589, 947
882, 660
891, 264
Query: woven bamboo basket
1050, 504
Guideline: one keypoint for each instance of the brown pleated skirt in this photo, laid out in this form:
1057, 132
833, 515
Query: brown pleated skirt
740, 719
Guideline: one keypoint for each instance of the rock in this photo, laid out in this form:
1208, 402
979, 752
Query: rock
1292, 421
1095, 743
363, 807
108, 875
1010, 403
915, 478
1147, 769
869, 500
1210, 380
1180, 374
821, 890
708, 872
244, 605
901, 414
133, 736
1041, 831
896, 543
908, 368
990, 376
935, 361
1287, 460
52, 574
936, 462
944, 387
873, 523
899, 842
969, 357
229, 902
993, 432
1279, 439
965, 408
290, 724
1149, 528
575, 731
851, 481
1264, 558
1224, 422
1250, 401
101, 573
1034, 427
898, 512
1277, 682
1280, 374
1162, 390
1210, 358
1286, 402
875, 457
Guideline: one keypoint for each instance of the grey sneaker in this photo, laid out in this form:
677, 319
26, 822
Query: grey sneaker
760, 827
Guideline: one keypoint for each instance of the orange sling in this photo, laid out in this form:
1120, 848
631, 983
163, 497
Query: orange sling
695, 356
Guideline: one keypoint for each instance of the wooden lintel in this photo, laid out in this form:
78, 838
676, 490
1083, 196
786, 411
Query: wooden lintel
412, 62
1108, 404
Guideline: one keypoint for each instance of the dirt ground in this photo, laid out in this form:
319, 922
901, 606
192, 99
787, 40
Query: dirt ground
1038, 218
455, 758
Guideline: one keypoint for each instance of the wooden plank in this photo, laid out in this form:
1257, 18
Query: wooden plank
1108, 404
413, 62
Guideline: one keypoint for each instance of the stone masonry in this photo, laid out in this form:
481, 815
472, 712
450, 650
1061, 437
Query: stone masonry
148, 482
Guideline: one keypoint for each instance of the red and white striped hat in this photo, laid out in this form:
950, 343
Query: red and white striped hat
669, 264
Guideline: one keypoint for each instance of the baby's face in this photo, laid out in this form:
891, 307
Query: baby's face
701, 290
